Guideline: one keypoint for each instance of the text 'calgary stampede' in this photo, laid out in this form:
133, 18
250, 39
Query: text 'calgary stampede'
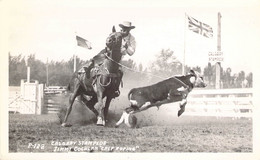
86, 143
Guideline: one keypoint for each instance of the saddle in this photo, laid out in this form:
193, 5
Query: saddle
94, 63
116, 78
97, 68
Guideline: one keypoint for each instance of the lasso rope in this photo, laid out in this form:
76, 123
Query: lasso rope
143, 72
133, 69
104, 85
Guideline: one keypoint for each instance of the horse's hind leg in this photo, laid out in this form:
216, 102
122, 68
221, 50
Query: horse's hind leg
108, 100
71, 101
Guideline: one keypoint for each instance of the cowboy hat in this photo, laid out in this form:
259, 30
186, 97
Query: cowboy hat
126, 24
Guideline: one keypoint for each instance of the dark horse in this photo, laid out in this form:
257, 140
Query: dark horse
102, 84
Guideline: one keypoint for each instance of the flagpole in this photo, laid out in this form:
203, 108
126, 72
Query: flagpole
184, 45
47, 73
218, 64
74, 56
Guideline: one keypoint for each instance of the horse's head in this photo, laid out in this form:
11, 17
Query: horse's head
113, 50
114, 40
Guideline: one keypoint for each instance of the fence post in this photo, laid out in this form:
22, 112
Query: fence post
22, 87
39, 99
31, 98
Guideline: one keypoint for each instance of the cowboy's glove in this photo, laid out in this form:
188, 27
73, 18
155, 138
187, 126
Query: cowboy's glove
123, 50
124, 44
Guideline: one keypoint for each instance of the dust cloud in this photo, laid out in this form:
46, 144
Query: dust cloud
81, 115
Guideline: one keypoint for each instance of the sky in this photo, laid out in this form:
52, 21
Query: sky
48, 29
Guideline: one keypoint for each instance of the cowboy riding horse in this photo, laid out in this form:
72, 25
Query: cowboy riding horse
104, 80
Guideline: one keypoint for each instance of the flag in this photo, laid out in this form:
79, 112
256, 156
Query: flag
200, 28
83, 42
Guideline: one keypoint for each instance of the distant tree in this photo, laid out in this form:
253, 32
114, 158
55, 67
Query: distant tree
129, 63
140, 67
209, 74
61, 72
240, 78
197, 68
249, 78
17, 69
37, 69
166, 64
227, 78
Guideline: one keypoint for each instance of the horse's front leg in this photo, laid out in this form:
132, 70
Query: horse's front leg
90, 104
71, 101
100, 107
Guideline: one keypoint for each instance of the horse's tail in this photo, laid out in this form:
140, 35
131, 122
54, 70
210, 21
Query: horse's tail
130, 92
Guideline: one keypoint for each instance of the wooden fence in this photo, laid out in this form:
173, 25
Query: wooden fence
220, 103
201, 102
28, 100
51, 104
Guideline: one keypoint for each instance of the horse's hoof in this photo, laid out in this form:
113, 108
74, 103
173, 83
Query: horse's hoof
100, 121
180, 113
66, 125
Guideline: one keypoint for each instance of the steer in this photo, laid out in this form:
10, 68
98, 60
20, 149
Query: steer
170, 90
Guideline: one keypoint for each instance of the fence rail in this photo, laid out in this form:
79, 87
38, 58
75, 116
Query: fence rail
221, 103
53, 103
55, 89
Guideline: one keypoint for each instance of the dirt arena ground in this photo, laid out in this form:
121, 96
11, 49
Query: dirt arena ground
158, 131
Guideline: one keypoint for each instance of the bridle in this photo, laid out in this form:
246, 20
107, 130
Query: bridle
110, 50
109, 55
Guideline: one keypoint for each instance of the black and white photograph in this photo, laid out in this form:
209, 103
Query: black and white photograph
129, 79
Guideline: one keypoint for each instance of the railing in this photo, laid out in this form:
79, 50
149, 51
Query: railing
50, 105
55, 90
220, 103
54, 103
